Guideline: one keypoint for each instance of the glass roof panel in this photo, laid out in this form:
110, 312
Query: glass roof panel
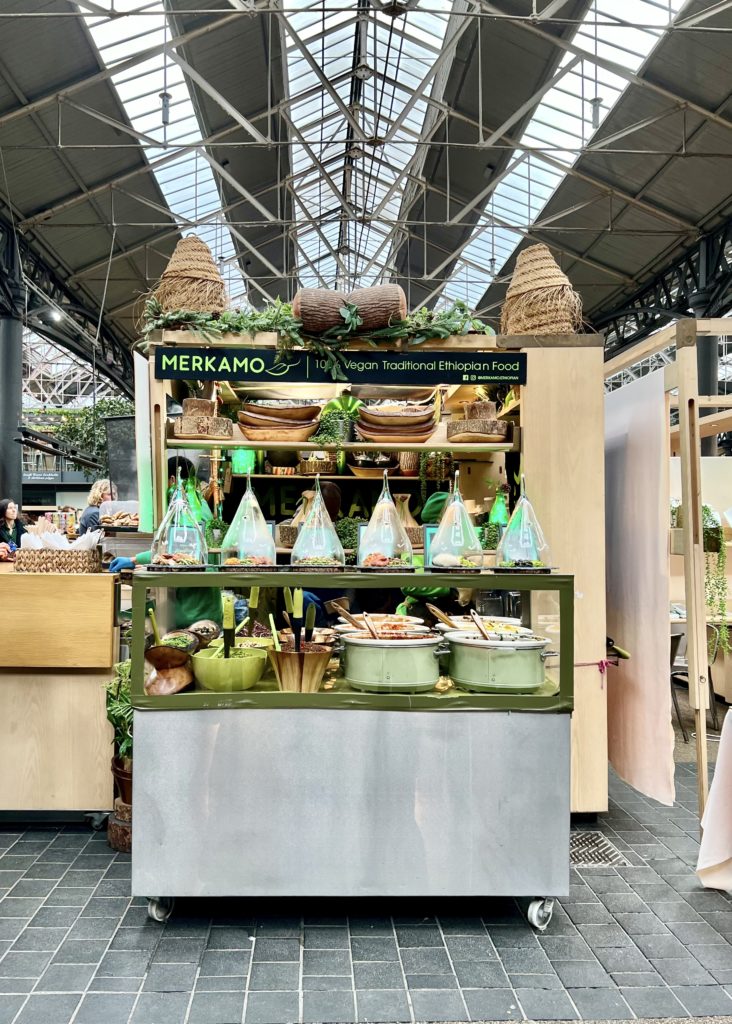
564, 121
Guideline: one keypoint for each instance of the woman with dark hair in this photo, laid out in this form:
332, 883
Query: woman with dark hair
11, 528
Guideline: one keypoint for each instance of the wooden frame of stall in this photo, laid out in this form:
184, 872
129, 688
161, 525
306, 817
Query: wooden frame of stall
681, 376
562, 443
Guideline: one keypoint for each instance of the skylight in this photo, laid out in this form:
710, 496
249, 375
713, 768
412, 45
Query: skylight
346, 182
187, 182
566, 118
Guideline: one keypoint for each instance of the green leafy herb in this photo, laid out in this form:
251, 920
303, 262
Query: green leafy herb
119, 708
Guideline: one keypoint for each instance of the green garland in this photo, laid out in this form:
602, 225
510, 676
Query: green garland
715, 573
420, 326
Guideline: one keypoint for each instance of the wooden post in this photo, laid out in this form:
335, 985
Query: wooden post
157, 428
693, 536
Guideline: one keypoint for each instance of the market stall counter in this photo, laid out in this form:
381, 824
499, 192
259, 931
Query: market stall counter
57, 652
356, 789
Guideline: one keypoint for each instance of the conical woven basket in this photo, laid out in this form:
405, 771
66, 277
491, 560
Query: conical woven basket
191, 279
540, 299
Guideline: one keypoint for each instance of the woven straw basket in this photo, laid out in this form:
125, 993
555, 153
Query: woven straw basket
540, 299
191, 279
58, 561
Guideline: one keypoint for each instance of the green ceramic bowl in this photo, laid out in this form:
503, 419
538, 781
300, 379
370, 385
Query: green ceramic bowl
226, 675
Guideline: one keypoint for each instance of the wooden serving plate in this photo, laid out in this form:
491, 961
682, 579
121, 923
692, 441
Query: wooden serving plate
293, 432
282, 412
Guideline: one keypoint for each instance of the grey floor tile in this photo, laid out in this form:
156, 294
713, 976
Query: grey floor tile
706, 901
66, 978
80, 951
431, 981
548, 981
515, 936
326, 938
683, 971
590, 913
283, 977
9, 1006
102, 983
601, 936
437, 1005
124, 964
699, 932
366, 948
42, 939
11, 927
637, 979
470, 947
492, 1004
24, 965
371, 926
335, 961
480, 974
425, 961
170, 978
144, 939
98, 906
218, 962
713, 957
421, 935
34, 887
105, 1008
703, 1001
94, 928
48, 1009
216, 1008
681, 911
653, 1002
279, 927
382, 1005
176, 951
269, 950
326, 983
161, 1008
641, 924
230, 938
562, 947
540, 1004
15, 985
328, 1007
378, 975
456, 925
623, 902
20, 906
582, 974
658, 947
625, 959
600, 1004
526, 961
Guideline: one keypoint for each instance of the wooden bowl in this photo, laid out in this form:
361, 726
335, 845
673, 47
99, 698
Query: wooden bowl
387, 432
282, 412
372, 472
294, 432
250, 419
396, 419
400, 437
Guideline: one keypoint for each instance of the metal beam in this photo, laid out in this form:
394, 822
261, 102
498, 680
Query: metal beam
236, 184
115, 69
216, 96
530, 103
697, 19
118, 126
613, 67
637, 126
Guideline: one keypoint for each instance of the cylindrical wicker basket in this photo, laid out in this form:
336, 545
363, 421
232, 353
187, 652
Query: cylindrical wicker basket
49, 560
540, 299
191, 280
311, 467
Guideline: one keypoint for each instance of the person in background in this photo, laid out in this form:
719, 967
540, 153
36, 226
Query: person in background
89, 519
4, 552
11, 528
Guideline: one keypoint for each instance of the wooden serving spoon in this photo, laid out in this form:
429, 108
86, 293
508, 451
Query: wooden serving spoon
347, 615
480, 624
370, 625
440, 616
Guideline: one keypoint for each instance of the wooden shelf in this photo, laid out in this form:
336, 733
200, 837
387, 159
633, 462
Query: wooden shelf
362, 446
331, 476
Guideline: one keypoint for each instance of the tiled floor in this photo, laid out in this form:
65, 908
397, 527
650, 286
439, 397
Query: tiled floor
637, 941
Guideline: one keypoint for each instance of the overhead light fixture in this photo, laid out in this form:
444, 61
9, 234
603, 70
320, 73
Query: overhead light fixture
363, 70
355, 152
56, 315
165, 99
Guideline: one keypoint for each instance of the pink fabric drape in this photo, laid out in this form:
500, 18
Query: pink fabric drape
714, 866
640, 735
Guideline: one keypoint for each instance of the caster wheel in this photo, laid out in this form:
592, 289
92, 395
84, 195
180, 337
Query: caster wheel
97, 820
540, 913
160, 908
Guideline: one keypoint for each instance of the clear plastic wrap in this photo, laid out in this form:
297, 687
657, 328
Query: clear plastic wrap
317, 546
523, 545
456, 544
179, 542
385, 544
249, 542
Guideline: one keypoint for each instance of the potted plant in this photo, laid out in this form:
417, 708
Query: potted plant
715, 565
119, 714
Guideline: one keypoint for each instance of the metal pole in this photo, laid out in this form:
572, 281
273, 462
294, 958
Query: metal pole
11, 402
707, 349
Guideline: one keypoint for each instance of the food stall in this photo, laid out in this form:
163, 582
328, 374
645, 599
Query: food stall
361, 788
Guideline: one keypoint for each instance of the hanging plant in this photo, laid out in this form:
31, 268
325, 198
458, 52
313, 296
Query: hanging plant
715, 572
215, 532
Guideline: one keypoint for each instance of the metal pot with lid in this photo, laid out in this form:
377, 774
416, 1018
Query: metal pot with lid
406, 663
502, 664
